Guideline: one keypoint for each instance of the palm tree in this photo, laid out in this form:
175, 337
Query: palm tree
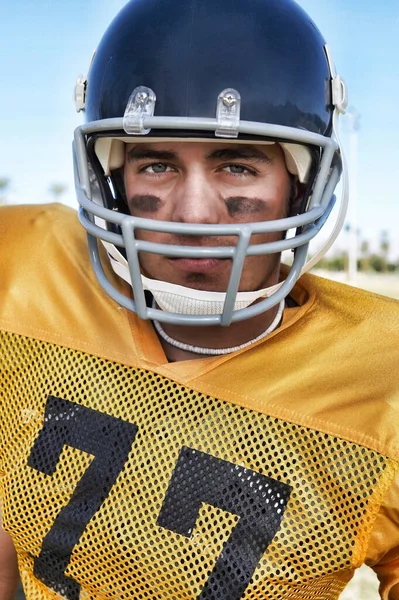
385, 246
4, 185
365, 256
56, 190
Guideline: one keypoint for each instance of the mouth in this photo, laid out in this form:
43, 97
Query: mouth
199, 265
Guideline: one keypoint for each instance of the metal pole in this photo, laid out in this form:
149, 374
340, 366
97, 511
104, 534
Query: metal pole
354, 121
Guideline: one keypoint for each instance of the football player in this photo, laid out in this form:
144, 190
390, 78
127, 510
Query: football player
190, 419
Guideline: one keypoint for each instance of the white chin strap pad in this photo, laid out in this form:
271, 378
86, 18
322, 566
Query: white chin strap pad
187, 301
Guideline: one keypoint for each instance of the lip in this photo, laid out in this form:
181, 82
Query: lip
199, 265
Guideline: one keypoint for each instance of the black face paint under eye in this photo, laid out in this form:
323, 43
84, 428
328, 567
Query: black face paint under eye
144, 203
240, 205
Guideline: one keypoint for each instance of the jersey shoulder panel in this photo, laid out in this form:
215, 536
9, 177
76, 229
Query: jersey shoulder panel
48, 290
333, 366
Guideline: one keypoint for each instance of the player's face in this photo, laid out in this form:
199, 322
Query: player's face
204, 182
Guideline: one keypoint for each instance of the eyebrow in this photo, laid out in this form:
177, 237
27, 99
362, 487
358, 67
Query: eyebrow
143, 152
244, 153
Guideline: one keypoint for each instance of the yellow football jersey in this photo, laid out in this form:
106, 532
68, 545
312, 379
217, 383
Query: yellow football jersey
270, 473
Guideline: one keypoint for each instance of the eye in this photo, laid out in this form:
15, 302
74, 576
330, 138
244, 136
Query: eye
157, 168
238, 170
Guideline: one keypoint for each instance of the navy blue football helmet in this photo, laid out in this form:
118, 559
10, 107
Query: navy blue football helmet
256, 71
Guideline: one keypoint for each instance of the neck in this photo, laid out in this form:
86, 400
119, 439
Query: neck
215, 337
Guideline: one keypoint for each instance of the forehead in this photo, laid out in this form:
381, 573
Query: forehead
208, 150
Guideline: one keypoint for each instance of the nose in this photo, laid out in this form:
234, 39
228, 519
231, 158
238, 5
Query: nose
195, 199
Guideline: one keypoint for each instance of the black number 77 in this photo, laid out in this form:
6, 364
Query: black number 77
198, 477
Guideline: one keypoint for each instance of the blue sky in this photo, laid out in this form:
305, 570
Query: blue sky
44, 45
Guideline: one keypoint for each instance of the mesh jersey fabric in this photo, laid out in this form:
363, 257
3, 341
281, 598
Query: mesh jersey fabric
269, 474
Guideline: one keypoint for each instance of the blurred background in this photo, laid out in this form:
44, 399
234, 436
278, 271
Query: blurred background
45, 45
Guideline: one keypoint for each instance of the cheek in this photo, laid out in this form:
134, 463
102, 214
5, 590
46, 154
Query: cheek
260, 271
275, 194
279, 200
128, 183
151, 264
136, 185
